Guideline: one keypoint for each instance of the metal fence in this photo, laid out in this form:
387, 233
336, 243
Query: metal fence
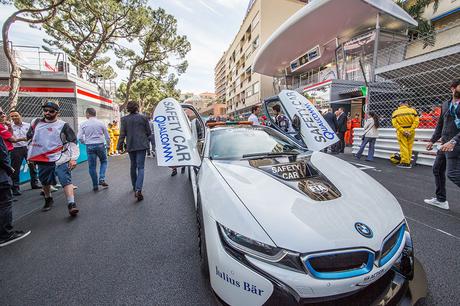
29, 105
418, 73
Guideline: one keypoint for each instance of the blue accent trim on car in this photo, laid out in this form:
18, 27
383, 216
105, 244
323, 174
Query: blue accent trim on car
446, 14
342, 274
395, 248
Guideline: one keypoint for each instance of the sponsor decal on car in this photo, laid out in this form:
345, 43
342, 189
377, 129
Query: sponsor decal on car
173, 137
243, 285
314, 130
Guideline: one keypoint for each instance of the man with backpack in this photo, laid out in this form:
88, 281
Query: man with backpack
54, 149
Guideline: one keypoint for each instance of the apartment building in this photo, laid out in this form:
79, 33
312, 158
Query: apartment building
242, 87
220, 79
446, 21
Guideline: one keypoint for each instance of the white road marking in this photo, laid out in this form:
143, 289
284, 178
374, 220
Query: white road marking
364, 167
435, 210
434, 228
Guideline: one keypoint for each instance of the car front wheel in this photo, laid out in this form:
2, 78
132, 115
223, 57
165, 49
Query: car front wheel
202, 241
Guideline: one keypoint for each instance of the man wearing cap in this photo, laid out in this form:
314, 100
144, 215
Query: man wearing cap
54, 149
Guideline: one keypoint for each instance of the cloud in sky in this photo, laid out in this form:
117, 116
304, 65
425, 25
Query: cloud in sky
210, 26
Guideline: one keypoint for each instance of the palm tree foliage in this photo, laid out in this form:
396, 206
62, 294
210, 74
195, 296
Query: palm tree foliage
425, 29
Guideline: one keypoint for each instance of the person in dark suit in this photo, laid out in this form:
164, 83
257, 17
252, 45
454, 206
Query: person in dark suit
7, 234
341, 129
332, 121
135, 128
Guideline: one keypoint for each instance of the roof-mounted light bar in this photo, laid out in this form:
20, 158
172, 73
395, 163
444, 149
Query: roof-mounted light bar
215, 124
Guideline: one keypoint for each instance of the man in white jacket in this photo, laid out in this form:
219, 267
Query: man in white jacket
54, 149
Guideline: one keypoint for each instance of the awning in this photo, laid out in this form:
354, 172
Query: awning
319, 23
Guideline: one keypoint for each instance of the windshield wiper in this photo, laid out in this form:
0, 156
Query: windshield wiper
271, 154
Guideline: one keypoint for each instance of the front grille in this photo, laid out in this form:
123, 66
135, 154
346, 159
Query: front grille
340, 265
391, 245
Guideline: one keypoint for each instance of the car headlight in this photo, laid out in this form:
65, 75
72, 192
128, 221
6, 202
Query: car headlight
260, 250
405, 263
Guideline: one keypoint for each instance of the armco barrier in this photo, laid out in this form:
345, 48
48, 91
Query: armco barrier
387, 144
24, 176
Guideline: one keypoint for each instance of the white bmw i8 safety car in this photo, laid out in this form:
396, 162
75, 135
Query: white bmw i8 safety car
281, 223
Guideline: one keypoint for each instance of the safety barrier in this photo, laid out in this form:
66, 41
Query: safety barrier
387, 144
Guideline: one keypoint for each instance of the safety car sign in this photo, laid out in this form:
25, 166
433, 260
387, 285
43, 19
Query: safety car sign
314, 130
174, 143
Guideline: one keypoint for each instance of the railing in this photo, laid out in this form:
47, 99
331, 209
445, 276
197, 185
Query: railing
387, 144
33, 59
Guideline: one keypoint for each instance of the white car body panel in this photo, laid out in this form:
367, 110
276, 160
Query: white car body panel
298, 223
232, 282
255, 204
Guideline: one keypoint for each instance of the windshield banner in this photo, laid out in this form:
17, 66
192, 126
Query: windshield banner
174, 143
314, 130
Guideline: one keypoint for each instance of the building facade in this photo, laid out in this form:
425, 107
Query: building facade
220, 79
243, 88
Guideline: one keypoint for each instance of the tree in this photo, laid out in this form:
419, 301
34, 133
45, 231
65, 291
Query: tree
159, 43
150, 91
425, 29
86, 29
32, 13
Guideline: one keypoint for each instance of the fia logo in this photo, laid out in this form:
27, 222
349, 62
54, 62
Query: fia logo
317, 188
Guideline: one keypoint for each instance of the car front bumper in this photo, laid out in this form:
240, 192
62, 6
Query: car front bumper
239, 280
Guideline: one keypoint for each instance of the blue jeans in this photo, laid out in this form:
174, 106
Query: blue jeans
137, 159
370, 154
94, 152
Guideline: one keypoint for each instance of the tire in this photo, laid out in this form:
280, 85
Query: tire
202, 242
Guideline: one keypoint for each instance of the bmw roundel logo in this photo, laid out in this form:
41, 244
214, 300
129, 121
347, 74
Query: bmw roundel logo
364, 230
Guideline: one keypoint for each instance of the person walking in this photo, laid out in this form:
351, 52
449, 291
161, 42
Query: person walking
94, 134
254, 117
405, 120
370, 135
7, 234
19, 153
54, 149
448, 155
341, 129
135, 128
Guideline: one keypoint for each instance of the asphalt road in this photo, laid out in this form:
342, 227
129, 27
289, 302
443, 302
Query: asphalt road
120, 252
116, 252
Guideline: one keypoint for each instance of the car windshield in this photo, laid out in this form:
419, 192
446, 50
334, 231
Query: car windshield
242, 142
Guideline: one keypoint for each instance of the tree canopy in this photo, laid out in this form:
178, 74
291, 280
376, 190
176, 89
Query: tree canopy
148, 92
161, 49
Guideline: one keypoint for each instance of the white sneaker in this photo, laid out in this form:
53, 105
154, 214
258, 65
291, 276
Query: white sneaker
435, 202
53, 189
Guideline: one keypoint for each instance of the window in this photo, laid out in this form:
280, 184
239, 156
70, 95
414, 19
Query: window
256, 87
237, 142
249, 91
255, 43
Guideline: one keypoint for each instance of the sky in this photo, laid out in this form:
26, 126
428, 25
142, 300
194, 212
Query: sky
209, 25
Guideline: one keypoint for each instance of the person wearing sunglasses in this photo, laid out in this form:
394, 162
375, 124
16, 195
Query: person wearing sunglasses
54, 149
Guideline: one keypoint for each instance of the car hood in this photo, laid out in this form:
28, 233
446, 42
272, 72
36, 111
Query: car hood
297, 222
